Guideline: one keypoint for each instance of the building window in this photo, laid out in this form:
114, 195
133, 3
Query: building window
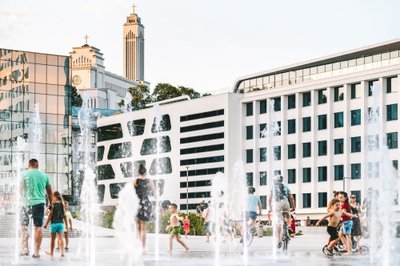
291, 176
371, 83
306, 200
202, 115
322, 96
249, 132
355, 144
212, 159
263, 178
291, 126
136, 127
263, 200
306, 124
338, 172
338, 94
277, 128
263, 130
109, 132
263, 107
291, 101
306, 149
164, 125
306, 99
249, 156
291, 151
338, 119
105, 172
152, 146
160, 166
355, 91
249, 179
391, 112
322, 122
392, 140
277, 153
306, 175
322, 173
322, 199
249, 109
356, 117
100, 153
395, 164
322, 148
338, 146
120, 150
389, 85
217, 147
357, 193
373, 169
263, 154
277, 104
355, 171
202, 126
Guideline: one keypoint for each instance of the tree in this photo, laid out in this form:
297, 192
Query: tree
76, 99
189, 92
164, 91
140, 97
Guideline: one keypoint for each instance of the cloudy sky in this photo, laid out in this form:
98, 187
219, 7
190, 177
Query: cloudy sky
204, 44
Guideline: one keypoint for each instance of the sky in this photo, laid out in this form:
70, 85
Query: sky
205, 45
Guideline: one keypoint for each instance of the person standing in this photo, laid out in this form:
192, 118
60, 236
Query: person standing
347, 222
144, 187
34, 186
356, 229
186, 226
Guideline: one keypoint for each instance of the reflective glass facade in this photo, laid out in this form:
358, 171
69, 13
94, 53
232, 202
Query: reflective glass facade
27, 79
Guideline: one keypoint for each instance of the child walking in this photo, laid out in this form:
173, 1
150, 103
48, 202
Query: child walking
334, 215
186, 225
57, 217
175, 228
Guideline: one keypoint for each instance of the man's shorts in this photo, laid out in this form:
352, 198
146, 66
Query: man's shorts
333, 232
57, 228
34, 211
176, 230
207, 227
282, 209
251, 215
346, 227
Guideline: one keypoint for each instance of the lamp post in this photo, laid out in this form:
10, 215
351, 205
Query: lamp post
344, 182
187, 190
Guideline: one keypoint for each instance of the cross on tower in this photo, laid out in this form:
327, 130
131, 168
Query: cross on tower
86, 38
133, 7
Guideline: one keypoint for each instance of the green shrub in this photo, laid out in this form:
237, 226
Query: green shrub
106, 219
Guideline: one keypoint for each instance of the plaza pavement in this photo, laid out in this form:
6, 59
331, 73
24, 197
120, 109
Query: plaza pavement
303, 250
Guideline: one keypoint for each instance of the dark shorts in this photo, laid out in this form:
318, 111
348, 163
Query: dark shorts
36, 212
333, 232
251, 215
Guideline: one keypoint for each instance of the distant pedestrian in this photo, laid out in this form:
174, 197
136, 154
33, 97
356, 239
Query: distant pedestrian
34, 186
186, 225
144, 187
308, 221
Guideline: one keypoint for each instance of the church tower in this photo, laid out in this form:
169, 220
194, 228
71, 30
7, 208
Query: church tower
133, 48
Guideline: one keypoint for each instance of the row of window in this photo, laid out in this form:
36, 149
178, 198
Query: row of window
213, 159
322, 124
338, 95
202, 126
392, 142
217, 147
209, 171
202, 115
322, 173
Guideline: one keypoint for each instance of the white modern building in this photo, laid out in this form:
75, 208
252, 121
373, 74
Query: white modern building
321, 106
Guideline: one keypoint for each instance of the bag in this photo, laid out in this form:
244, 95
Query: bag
279, 192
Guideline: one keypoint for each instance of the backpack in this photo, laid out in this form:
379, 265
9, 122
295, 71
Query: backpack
279, 192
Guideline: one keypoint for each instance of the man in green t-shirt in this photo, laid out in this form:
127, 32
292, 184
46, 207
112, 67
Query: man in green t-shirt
34, 186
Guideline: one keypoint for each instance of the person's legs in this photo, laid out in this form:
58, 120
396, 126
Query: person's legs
24, 241
38, 240
61, 241
182, 243
52, 243
66, 240
171, 237
143, 233
38, 216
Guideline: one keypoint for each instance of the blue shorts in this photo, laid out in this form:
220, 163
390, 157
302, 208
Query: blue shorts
251, 215
57, 228
346, 227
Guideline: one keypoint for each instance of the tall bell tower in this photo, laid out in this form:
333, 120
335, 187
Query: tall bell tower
133, 67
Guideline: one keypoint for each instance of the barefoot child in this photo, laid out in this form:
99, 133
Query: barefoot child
186, 226
57, 217
176, 229
334, 215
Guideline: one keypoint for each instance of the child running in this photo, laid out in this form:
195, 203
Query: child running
334, 215
57, 217
176, 229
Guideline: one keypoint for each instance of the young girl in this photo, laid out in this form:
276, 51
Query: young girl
57, 217
186, 226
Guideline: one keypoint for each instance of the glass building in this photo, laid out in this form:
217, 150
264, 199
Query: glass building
26, 79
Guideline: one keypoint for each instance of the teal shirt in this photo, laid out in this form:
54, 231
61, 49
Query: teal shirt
34, 183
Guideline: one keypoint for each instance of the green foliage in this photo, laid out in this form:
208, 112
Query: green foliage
164, 91
107, 218
140, 97
76, 99
196, 224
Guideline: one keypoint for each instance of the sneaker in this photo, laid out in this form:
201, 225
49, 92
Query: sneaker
328, 252
279, 244
241, 240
